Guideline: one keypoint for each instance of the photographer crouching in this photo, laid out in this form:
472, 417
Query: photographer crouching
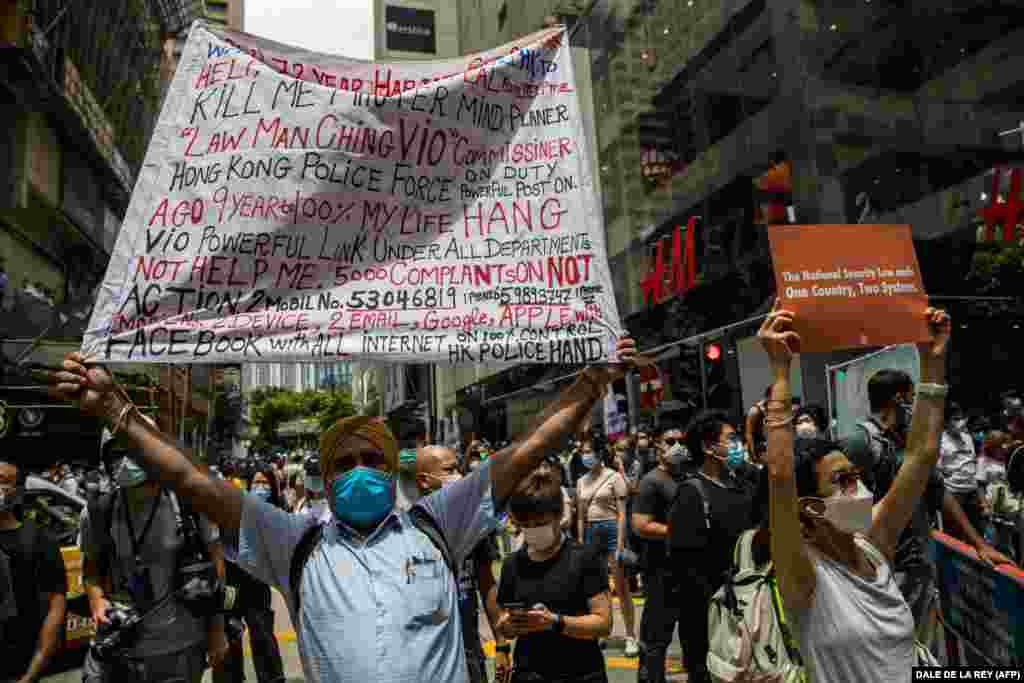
153, 572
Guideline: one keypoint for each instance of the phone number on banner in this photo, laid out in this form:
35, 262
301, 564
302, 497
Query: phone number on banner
402, 299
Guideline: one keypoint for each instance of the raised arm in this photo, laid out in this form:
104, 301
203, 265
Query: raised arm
750, 425
793, 566
893, 512
92, 388
511, 465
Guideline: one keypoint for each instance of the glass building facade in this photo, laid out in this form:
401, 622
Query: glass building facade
728, 116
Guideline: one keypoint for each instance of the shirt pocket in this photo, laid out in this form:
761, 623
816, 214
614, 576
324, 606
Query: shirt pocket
426, 584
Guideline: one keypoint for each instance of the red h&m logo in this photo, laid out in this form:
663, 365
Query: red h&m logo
684, 270
1007, 213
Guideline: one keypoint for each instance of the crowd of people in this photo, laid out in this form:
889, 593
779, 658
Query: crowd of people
387, 548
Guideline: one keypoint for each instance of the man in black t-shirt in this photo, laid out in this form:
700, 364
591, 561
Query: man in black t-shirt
553, 593
650, 521
32, 569
711, 510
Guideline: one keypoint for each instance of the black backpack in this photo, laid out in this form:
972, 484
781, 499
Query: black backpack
421, 519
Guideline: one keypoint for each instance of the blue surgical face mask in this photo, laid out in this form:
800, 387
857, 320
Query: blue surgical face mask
588, 461
735, 454
362, 496
315, 484
261, 491
407, 458
130, 474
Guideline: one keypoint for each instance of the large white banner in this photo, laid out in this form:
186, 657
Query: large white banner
301, 206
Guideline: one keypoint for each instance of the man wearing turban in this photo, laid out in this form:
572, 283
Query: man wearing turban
376, 600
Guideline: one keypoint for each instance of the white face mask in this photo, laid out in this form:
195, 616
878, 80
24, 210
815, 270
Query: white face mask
850, 513
539, 537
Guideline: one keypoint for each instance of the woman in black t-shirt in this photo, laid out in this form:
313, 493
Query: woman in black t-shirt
553, 596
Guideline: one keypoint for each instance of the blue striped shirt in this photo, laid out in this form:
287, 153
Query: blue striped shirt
382, 608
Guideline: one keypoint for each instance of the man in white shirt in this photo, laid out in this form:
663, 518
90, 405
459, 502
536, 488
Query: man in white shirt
958, 464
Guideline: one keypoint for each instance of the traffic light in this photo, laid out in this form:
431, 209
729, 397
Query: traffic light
716, 385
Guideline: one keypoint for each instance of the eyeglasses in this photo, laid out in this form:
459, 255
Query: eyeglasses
846, 478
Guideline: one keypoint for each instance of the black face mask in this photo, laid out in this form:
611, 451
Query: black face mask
904, 413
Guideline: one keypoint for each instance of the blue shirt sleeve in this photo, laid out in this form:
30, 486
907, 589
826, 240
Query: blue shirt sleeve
267, 539
464, 511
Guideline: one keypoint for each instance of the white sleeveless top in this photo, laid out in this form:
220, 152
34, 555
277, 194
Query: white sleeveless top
856, 629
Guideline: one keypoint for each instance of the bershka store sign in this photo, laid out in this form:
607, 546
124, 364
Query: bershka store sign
664, 281
409, 29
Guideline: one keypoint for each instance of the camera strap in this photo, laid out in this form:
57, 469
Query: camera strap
137, 542
188, 527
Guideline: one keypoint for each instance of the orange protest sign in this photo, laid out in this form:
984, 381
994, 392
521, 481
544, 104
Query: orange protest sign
849, 285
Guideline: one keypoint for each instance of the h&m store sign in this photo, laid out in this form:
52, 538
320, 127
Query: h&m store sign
666, 280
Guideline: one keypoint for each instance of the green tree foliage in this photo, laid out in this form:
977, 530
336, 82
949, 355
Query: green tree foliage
273, 406
999, 268
335, 406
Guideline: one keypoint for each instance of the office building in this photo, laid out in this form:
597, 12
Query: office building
747, 113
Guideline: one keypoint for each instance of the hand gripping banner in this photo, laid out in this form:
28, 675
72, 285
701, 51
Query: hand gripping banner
301, 206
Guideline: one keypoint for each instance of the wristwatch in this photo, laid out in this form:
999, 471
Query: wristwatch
559, 626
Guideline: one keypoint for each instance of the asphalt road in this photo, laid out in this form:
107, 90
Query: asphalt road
620, 668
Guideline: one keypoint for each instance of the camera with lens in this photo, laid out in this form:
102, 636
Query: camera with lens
198, 586
118, 633
200, 589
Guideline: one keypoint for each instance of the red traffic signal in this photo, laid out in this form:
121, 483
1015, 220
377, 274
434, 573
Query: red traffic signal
713, 351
